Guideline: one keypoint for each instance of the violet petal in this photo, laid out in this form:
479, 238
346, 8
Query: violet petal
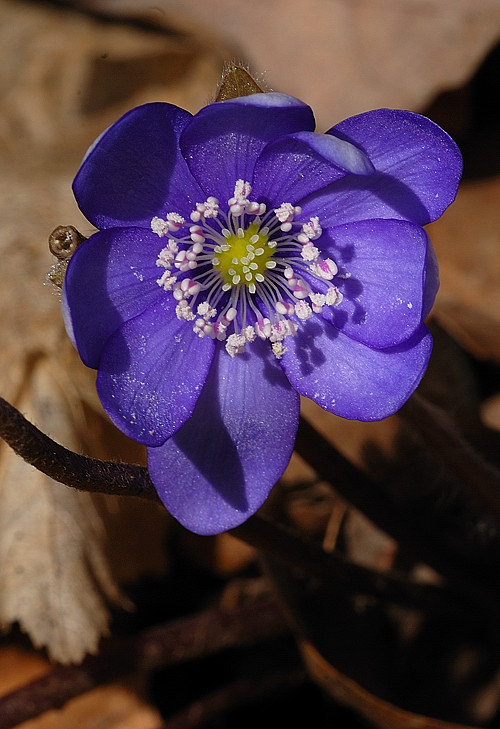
219, 468
292, 167
151, 373
418, 170
135, 171
350, 379
111, 278
382, 269
223, 141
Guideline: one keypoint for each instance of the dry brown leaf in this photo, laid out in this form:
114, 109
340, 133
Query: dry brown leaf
107, 707
59, 91
342, 57
53, 570
467, 243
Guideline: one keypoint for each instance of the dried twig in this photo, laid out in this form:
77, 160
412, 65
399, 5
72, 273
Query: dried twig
235, 695
306, 557
440, 435
366, 495
182, 640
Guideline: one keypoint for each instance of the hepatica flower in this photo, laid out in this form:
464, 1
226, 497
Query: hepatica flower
242, 260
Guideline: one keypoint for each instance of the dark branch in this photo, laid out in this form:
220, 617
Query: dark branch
441, 436
309, 559
89, 474
367, 496
61, 464
182, 640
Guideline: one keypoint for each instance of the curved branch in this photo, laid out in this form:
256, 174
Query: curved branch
61, 464
185, 639
440, 434
274, 540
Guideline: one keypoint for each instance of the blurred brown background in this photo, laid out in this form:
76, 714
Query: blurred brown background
68, 70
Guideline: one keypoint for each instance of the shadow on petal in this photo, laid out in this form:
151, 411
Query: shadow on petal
206, 443
218, 469
350, 307
359, 198
396, 194
308, 354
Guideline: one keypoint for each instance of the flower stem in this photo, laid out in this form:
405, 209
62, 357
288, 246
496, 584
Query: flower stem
274, 540
64, 466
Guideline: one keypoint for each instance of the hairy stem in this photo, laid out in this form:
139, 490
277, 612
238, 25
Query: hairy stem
64, 466
276, 541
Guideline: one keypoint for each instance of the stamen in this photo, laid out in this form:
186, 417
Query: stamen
309, 252
183, 311
278, 349
303, 310
235, 344
240, 270
171, 224
197, 234
208, 209
325, 269
310, 231
284, 307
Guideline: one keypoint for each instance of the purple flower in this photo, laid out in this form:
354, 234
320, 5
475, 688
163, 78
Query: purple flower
243, 260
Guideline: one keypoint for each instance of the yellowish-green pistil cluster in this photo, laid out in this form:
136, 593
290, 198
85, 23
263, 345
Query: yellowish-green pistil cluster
244, 258
237, 274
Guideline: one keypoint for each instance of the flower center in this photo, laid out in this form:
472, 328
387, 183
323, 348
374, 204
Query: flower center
243, 257
245, 273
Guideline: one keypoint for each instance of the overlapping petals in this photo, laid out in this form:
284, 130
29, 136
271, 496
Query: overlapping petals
223, 141
296, 165
415, 152
135, 170
418, 168
223, 462
205, 369
148, 387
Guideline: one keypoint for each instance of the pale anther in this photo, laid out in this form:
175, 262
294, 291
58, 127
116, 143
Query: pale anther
303, 310
262, 255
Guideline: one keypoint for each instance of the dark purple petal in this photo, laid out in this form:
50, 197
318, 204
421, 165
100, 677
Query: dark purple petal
219, 468
350, 379
385, 263
151, 373
292, 167
135, 171
110, 279
418, 170
223, 141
